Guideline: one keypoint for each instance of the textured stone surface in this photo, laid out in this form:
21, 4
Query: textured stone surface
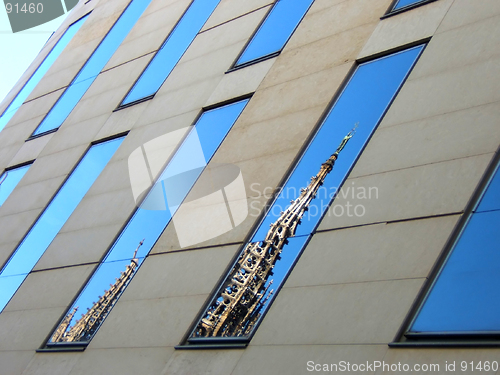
373, 252
355, 282
122, 361
203, 266
355, 313
205, 362
405, 28
30, 150
294, 359
53, 288
228, 10
427, 190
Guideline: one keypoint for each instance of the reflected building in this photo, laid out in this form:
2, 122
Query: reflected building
238, 303
196, 125
85, 327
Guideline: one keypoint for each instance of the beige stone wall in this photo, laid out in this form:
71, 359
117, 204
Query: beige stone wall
357, 279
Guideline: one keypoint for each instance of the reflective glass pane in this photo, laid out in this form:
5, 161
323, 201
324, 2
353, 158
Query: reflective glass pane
74, 92
9, 180
491, 198
363, 102
54, 216
404, 3
466, 295
247, 291
8, 286
40, 72
172, 50
150, 219
276, 29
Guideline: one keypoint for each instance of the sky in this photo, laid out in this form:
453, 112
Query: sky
18, 50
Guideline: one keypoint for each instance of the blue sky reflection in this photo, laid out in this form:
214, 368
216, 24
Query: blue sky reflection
9, 180
172, 50
403, 3
40, 72
466, 294
151, 218
276, 29
80, 84
54, 216
364, 101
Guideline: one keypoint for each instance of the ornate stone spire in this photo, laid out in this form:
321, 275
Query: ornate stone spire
237, 305
87, 325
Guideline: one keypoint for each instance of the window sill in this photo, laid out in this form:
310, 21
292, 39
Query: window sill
123, 106
406, 8
63, 347
214, 343
210, 346
447, 340
445, 344
253, 62
34, 136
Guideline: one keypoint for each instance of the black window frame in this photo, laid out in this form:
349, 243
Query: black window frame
120, 105
53, 130
404, 338
39, 65
391, 11
235, 66
189, 343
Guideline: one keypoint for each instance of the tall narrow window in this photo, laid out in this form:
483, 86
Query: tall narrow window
275, 31
89, 72
40, 72
171, 51
9, 180
53, 218
149, 220
464, 299
246, 293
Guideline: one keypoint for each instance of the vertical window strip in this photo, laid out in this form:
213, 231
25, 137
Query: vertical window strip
40, 72
89, 72
263, 265
149, 221
275, 31
9, 180
463, 299
50, 222
171, 51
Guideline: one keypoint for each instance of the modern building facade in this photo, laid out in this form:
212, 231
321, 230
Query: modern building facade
254, 187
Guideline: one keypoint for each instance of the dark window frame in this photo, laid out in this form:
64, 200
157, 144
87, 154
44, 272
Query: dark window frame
33, 135
235, 66
391, 11
48, 347
39, 65
69, 346
23, 164
189, 343
120, 105
20, 165
35, 221
404, 338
